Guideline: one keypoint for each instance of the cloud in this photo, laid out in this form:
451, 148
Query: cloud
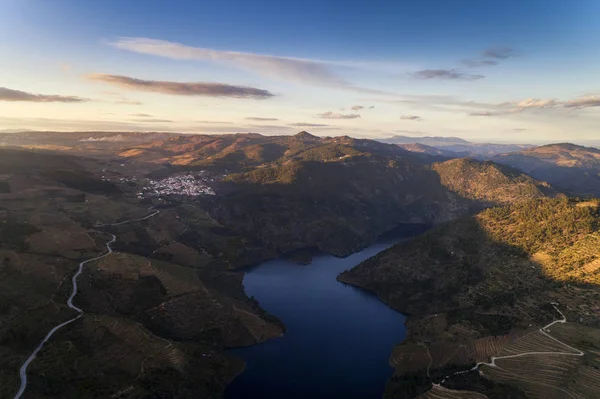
519, 129
183, 88
371, 107
537, 103
18, 95
583, 102
302, 124
271, 127
479, 62
483, 113
357, 108
497, 113
259, 119
214, 122
332, 115
446, 74
142, 115
305, 71
411, 117
499, 53
490, 57
153, 120
128, 102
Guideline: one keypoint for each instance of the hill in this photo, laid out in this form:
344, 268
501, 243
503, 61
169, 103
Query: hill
568, 166
476, 287
489, 181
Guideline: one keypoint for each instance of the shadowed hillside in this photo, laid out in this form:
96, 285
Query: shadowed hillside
478, 285
335, 193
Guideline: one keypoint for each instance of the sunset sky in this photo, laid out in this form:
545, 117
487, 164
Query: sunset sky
499, 71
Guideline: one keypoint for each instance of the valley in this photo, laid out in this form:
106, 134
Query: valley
162, 312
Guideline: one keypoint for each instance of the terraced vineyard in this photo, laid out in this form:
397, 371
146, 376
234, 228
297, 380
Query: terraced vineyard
417, 357
541, 365
539, 376
177, 280
439, 392
147, 345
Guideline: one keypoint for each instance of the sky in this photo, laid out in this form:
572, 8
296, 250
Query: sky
490, 71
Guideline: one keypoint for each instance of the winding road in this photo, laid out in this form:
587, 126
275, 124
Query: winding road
109, 250
544, 330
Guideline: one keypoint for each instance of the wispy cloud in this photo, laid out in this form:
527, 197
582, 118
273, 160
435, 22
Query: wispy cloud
453, 104
357, 108
151, 120
305, 71
499, 53
7, 94
215, 122
479, 62
490, 57
126, 101
411, 117
271, 127
583, 102
333, 115
446, 74
537, 103
303, 124
207, 89
259, 119
483, 113
141, 115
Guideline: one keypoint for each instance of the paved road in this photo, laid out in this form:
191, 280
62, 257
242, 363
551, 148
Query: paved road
109, 250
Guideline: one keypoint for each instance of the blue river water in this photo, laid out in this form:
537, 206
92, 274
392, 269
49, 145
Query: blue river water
338, 340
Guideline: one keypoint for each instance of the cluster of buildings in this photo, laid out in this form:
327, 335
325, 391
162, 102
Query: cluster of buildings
187, 185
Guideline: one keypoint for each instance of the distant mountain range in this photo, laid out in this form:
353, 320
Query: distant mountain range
454, 146
569, 166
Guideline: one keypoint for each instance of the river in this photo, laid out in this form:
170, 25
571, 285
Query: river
338, 340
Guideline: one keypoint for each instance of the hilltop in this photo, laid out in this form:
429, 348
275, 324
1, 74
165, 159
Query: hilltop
476, 286
569, 166
489, 181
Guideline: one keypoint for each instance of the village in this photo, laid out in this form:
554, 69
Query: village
189, 185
